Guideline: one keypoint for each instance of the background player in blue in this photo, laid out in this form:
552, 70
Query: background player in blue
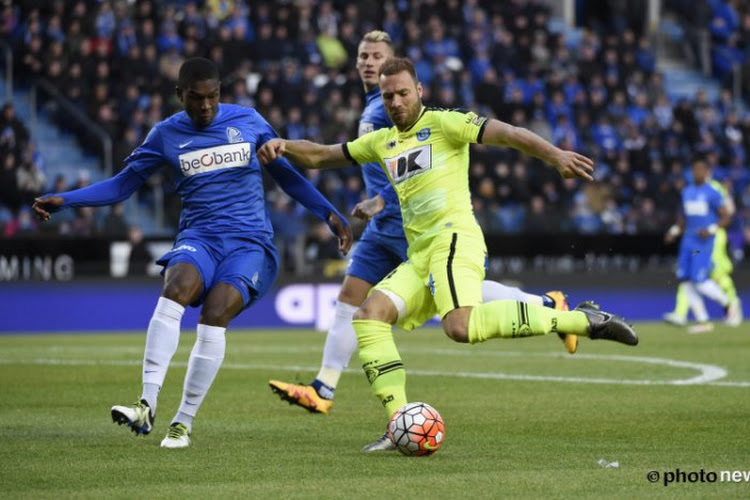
379, 251
223, 257
703, 211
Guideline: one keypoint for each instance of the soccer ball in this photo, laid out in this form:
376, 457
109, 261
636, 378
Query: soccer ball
417, 429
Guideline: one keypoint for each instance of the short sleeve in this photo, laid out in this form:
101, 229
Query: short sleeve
462, 127
363, 149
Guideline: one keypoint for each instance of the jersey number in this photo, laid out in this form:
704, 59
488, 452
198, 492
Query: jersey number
409, 163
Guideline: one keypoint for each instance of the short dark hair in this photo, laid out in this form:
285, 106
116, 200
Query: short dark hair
395, 65
700, 157
197, 69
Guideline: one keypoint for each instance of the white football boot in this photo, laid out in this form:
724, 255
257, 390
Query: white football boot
178, 436
137, 416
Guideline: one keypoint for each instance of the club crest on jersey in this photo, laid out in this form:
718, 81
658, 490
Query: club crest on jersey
234, 135
390, 144
423, 134
409, 163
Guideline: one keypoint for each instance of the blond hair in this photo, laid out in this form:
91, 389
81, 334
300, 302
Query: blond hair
375, 36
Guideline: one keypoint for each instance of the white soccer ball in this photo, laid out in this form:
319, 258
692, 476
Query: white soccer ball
417, 429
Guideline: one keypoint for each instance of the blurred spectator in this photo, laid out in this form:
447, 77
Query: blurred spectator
22, 225
321, 248
114, 224
30, 180
14, 136
140, 258
9, 193
539, 219
82, 226
289, 228
333, 52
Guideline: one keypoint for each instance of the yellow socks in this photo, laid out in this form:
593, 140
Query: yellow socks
509, 318
726, 284
682, 303
382, 363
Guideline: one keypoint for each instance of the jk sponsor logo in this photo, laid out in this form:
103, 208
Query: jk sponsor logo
409, 163
212, 159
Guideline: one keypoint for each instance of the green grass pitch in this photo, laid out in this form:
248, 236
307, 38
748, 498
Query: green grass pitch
523, 419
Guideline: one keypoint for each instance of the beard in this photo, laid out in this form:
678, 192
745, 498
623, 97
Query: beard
405, 117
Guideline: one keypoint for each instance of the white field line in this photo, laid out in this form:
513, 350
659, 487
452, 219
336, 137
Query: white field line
707, 374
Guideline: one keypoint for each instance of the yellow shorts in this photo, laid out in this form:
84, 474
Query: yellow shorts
444, 276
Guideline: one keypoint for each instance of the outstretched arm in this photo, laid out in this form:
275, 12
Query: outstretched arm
305, 154
296, 186
568, 163
107, 192
142, 162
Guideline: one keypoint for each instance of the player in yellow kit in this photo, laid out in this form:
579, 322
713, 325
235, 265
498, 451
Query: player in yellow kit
426, 157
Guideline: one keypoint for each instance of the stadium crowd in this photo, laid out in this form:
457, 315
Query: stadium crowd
294, 61
726, 24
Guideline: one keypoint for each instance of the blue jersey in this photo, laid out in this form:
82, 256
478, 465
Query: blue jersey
217, 174
224, 228
700, 206
388, 221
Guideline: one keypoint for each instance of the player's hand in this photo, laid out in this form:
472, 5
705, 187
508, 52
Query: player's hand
44, 205
704, 233
571, 164
669, 238
342, 231
271, 150
369, 208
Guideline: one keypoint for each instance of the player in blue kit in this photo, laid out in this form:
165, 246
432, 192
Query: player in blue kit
223, 258
703, 212
379, 251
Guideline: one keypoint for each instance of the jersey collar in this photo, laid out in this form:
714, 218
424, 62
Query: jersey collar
421, 114
372, 95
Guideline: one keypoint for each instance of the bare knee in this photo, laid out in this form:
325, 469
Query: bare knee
215, 315
456, 332
182, 284
354, 291
456, 324
378, 307
222, 304
181, 294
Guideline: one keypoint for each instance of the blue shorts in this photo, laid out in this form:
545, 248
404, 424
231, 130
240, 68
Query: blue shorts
246, 264
694, 261
376, 255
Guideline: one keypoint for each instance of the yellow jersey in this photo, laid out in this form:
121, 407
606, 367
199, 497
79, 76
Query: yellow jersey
428, 166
